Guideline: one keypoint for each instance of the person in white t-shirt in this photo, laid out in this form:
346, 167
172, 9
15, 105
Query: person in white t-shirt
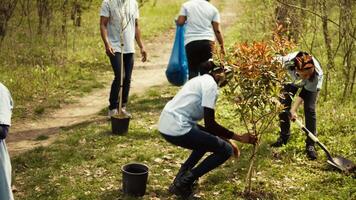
202, 26
178, 125
6, 105
114, 13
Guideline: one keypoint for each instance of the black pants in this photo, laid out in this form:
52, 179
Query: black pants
202, 142
198, 52
115, 86
309, 99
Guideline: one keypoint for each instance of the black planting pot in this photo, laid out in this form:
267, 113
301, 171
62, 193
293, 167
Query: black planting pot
134, 179
119, 126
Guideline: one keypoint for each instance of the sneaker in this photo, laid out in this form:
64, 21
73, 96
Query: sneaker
112, 112
183, 186
280, 142
181, 172
126, 113
311, 153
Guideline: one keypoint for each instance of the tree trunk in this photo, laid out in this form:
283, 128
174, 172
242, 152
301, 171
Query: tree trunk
327, 41
7, 8
288, 18
346, 30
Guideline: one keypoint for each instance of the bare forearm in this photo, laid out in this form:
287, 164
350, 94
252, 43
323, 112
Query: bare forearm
296, 104
104, 34
138, 38
219, 35
219, 38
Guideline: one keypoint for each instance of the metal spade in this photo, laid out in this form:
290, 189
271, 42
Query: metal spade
339, 162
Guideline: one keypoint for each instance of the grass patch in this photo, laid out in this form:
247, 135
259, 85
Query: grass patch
42, 137
86, 163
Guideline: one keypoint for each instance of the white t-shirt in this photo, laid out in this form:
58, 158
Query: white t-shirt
182, 112
114, 9
200, 14
6, 105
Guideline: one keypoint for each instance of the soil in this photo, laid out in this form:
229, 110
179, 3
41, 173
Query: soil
27, 134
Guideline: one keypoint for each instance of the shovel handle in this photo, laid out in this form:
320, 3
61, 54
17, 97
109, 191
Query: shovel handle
310, 135
315, 139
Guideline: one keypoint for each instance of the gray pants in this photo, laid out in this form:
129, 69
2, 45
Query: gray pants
5, 173
309, 99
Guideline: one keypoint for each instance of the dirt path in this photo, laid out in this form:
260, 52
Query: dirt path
145, 75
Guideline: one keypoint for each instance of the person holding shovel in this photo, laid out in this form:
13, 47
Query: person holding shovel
178, 125
6, 105
202, 21
306, 73
119, 18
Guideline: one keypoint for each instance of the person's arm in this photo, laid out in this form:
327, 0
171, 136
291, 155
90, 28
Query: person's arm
216, 129
219, 37
139, 41
294, 108
181, 20
104, 35
213, 127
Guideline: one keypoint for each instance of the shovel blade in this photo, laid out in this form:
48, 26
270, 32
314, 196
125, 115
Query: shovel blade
342, 163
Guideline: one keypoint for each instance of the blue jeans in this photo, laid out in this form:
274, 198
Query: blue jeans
201, 142
115, 86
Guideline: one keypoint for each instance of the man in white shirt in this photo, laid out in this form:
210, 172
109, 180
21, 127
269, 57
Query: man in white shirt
115, 16
202, 23
6, 106
178, 125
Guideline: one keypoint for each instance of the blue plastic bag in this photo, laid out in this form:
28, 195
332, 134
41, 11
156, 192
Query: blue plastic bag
177, 69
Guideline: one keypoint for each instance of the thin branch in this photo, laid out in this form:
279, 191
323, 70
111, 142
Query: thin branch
315, 13
310, 11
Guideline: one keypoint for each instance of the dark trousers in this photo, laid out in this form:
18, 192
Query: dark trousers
201, 142
115, 86
309, 99
198, 52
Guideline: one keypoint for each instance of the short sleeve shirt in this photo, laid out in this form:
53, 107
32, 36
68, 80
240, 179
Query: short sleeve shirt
200, 14
187, 107
125, 11
6, 105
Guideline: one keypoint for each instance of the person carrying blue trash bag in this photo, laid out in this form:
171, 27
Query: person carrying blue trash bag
6, 106
177, 70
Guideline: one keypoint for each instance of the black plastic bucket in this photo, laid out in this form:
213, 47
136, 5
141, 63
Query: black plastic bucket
134, 179
119, 125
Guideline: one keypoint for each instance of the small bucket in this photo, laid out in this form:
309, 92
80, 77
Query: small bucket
134, 179
119, 125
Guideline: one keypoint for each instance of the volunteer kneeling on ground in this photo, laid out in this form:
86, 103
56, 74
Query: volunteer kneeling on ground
178, 125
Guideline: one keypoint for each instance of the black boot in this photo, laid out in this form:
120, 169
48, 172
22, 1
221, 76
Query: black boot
183, 185
311, 153
280, 142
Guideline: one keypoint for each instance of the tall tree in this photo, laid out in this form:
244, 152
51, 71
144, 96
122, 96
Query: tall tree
327, 41
347, 29
7, 8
